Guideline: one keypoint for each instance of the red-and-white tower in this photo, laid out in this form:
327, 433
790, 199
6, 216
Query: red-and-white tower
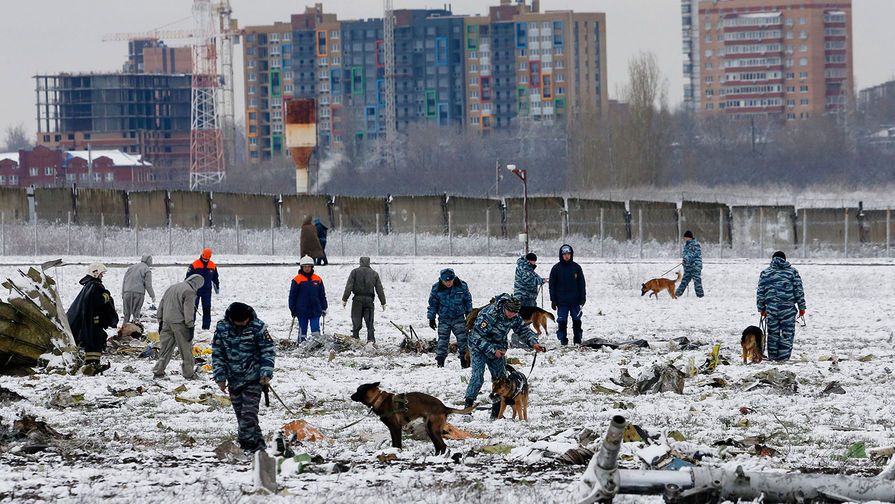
206, 139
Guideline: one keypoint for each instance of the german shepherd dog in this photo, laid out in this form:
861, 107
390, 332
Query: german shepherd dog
751, 341
531, 315
657, 285
511, 389
398, 410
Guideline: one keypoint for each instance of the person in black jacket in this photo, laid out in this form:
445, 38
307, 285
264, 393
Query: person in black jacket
567, 294
89, 316
321, 235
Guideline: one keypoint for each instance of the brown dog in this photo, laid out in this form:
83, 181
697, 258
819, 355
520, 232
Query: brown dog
398, 410
752, 345
657, 285
536, 317
512, 389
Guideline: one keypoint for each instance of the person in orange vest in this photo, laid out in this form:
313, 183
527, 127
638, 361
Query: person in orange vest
307, 299
208, 270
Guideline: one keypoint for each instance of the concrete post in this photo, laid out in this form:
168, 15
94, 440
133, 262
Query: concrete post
805, 233
273, 247
68, 237
450, 234
602, 235
640, 230
137, 236
169, 238
34, 222
102, 235
760, 231
888, 230
341, 237
238, 248
203, 234
488, 229
414, 235
2, 233
845, 247
721, 232
377, 236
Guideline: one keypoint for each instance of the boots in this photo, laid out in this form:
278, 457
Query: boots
439, 361
495, 409
93, 368
577, 331
465, 359
561, 332
468, 403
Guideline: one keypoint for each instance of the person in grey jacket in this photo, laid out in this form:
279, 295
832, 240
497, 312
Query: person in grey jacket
177, 323
137, 283
365, 284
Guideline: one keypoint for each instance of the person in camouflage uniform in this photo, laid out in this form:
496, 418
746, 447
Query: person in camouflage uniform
242, 360
488, 343
779, 293
526, 282
692, 261
451, 301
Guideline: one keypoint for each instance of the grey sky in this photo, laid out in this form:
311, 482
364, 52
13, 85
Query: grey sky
50, 36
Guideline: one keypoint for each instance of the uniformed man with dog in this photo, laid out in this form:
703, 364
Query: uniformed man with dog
451, 301
243, 354
488, 343
691, 259
780, 296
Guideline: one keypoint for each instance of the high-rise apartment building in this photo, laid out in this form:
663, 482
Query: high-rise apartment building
786, 59
482, 72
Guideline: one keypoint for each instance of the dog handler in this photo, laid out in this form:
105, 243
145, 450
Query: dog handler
488, 343
243, 356
778, 295
451, 301
691, 258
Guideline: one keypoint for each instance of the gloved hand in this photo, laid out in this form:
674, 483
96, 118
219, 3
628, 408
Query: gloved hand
553, 305
383, 307
801, 313
222, 385
583, 301
159, 326
265, 380
217, 290
538, 348
764, 313
344, 304
323, 313
432, 323
192, 332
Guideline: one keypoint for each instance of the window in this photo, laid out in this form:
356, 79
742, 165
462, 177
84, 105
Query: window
14, 180
521, 35
334, 35
110, 177
485, 84
803, 102
32, 172
2, 180
803, 75
253, 90
287, 36
803, 89
253, 76
803, 61
790, 75
708, 38
709, 79
274, 37
790, 103
49, 171
709, 53
441, 51
803, 35
802, 20
803, 48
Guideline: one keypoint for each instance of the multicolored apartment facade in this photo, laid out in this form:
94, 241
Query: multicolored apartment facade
786, 59
482, 72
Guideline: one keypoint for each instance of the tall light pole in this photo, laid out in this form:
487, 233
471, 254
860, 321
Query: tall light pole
523, 176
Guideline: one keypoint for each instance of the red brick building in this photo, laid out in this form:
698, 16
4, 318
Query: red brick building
44, 167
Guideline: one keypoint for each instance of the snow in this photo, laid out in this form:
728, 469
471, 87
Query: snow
118, 157
139, 448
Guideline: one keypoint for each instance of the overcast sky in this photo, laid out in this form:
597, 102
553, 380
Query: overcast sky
51, 36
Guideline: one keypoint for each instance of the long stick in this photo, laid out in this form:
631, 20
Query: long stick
291, 327
281, 401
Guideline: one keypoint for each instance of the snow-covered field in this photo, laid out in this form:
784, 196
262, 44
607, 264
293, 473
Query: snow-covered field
153, 448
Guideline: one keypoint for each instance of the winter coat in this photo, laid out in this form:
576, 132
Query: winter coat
178, 304
692, 256
242, 356
321, 233
525, 287
449, 302
491, 327
310, 244
91, 313
567, 286
208, 270
138, 278
364, 281
780, 289
307, 296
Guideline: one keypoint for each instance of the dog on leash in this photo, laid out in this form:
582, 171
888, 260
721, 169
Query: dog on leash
752, 345
511, 389
531, 315
398, 410
657, 285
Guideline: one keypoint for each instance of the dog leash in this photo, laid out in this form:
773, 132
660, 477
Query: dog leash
533, 361
672, 269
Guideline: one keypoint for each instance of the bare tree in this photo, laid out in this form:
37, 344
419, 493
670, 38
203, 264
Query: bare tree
16, 138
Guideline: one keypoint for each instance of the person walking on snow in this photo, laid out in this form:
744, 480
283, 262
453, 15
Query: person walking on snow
89, 315
321, 236
137, 283
309, 243
778, 296
527, 283
364, 283
488, 343
692, 261
208, 270
451, 301
242, 357
567, 294
307, 299
177, 325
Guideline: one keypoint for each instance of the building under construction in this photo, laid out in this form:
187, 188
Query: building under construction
136, 113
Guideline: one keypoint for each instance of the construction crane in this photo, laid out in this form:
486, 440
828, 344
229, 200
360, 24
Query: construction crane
391, 121
210, 41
